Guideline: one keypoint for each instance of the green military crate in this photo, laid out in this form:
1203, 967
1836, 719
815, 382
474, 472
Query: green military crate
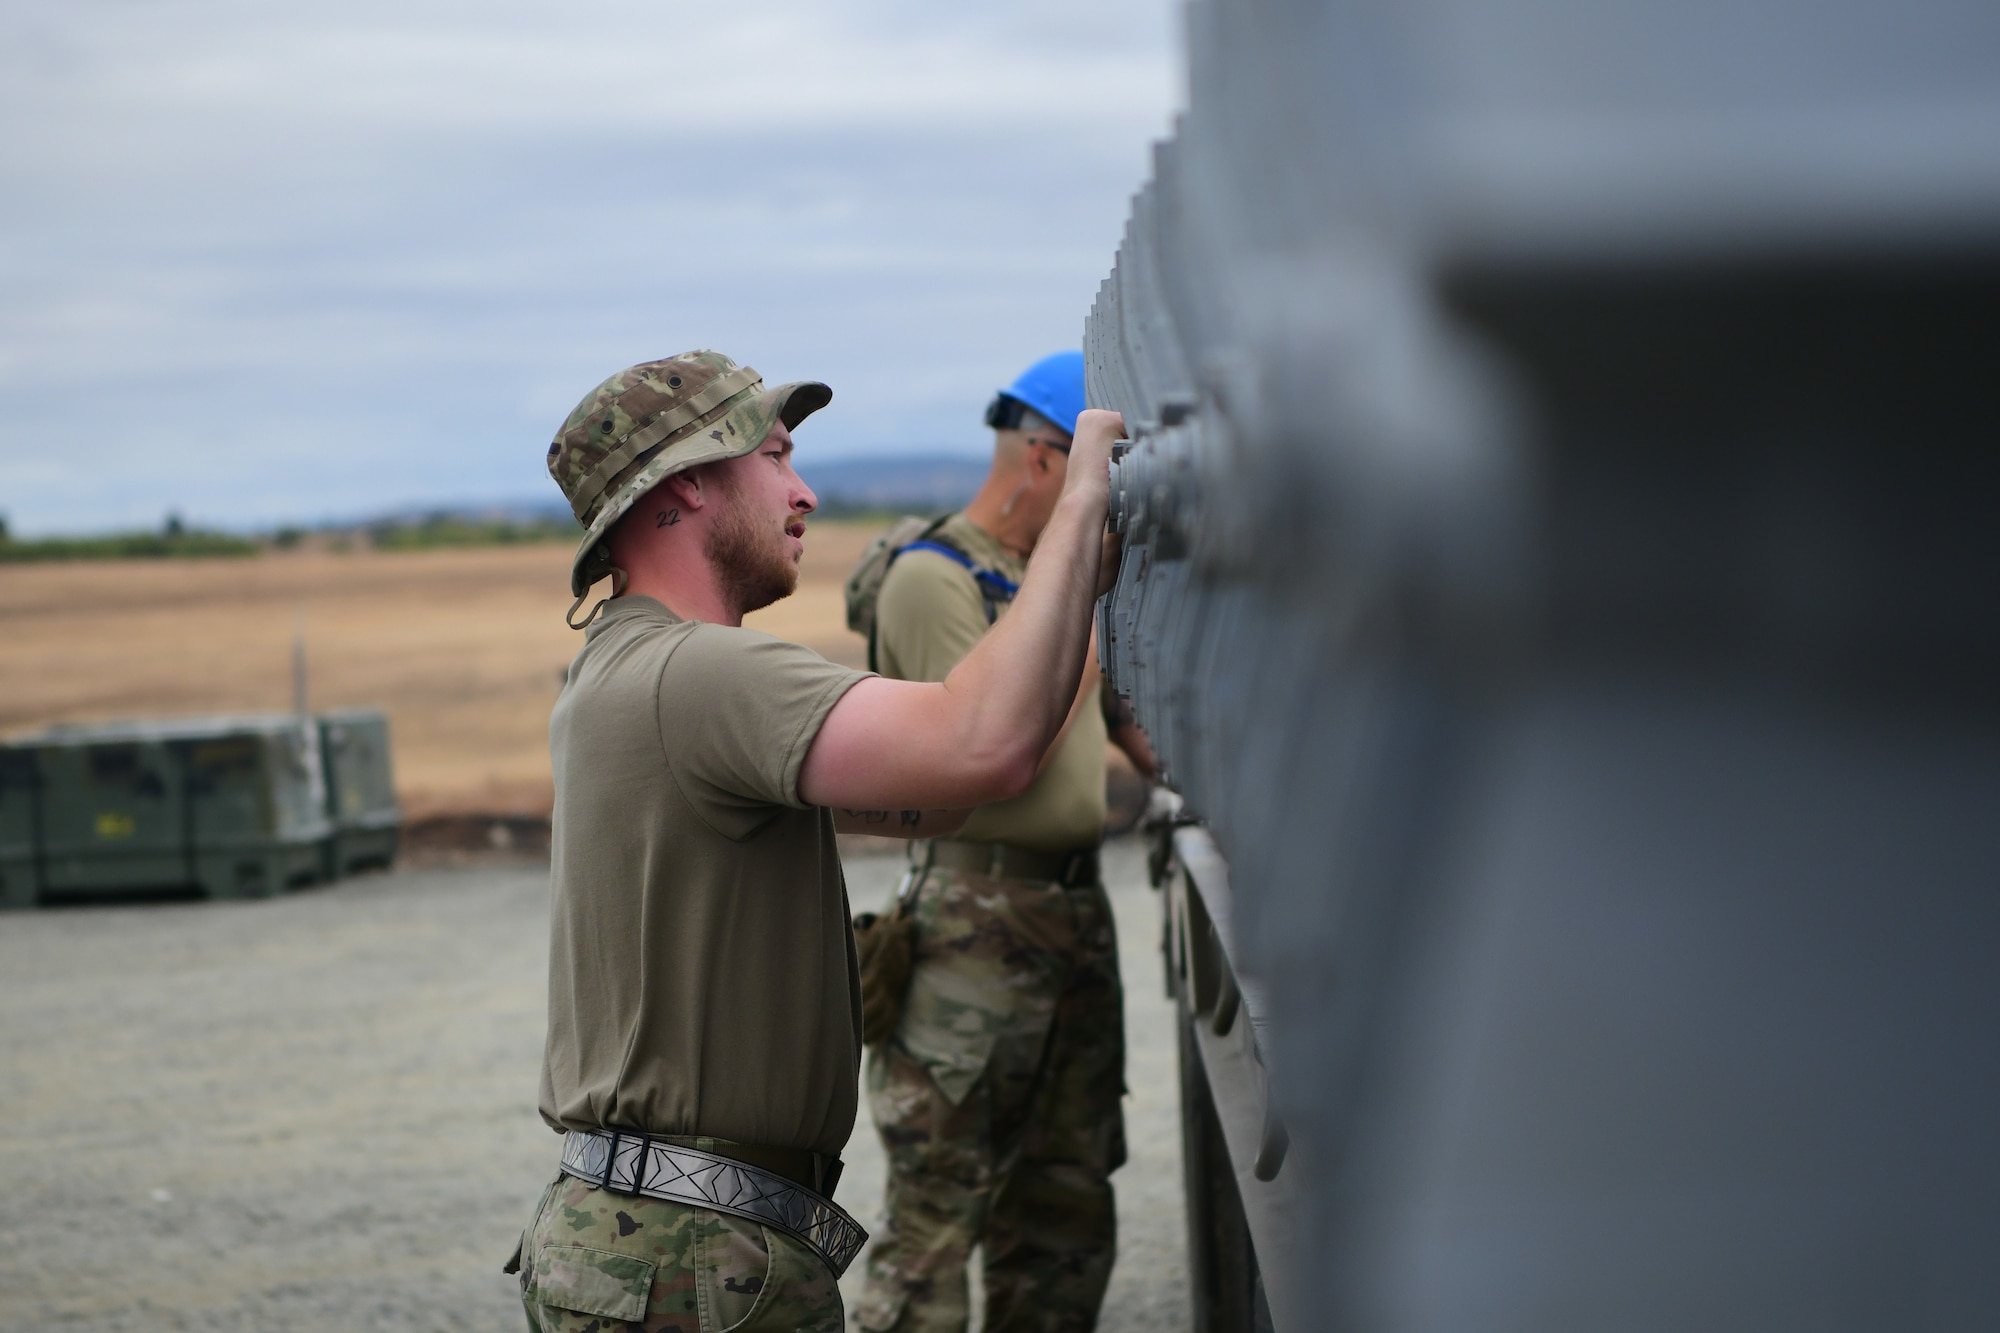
19, 882
258, 801
360, 790
113, 813
234, 807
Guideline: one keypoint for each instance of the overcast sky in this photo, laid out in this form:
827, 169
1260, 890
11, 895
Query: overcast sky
266, 262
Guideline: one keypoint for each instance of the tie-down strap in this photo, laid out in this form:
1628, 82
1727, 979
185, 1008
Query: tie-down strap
628, 1163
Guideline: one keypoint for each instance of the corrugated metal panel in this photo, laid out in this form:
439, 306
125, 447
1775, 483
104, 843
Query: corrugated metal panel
1559, 573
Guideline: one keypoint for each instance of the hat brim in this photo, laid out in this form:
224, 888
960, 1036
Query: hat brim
738, 431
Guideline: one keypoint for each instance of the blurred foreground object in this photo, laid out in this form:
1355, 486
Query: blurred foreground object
227, 807
1560, 580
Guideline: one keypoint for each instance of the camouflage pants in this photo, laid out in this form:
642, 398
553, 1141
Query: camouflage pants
595, 1262
998, 1105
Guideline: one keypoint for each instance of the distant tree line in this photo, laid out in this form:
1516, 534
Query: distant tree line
176, 538
173, 538
443, 528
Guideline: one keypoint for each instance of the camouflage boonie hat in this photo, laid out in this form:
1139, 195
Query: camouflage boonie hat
655, 419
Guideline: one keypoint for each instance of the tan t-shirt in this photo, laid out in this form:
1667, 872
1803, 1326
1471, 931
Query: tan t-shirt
701, 969
928, 616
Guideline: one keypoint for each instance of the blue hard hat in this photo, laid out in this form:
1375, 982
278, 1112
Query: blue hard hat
1052, 386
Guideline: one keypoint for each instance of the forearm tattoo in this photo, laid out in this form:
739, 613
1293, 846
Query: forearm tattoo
906, 818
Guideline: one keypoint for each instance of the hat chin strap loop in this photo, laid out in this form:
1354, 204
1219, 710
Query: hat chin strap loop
619, 578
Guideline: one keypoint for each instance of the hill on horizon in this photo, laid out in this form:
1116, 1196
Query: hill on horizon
873, 484
917, 483
855, 486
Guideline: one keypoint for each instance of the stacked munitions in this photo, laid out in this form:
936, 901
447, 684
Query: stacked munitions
233, 807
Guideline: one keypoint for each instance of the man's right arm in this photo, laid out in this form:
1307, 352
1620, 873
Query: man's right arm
929, 616
980, 735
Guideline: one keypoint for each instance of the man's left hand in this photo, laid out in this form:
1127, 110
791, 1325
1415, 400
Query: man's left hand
1107, 563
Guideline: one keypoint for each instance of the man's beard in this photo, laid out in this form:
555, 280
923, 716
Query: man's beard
750, 558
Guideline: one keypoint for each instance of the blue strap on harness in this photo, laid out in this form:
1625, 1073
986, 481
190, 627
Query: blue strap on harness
998, 588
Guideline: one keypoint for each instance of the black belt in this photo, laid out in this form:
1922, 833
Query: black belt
727, 1177
1000, 860
815, 1170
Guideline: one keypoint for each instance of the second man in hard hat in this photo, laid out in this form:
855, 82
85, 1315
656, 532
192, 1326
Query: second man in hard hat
997, 1096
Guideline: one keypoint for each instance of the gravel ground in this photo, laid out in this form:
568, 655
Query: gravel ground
317, 1112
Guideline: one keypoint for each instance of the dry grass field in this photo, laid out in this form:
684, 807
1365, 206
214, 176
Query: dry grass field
464, 649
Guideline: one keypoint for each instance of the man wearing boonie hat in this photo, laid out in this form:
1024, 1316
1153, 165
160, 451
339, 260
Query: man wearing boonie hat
704, 1030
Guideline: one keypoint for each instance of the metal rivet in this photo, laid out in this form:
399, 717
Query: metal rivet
673, 381
606, 427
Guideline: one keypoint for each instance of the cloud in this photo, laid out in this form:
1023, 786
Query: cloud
262, 262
